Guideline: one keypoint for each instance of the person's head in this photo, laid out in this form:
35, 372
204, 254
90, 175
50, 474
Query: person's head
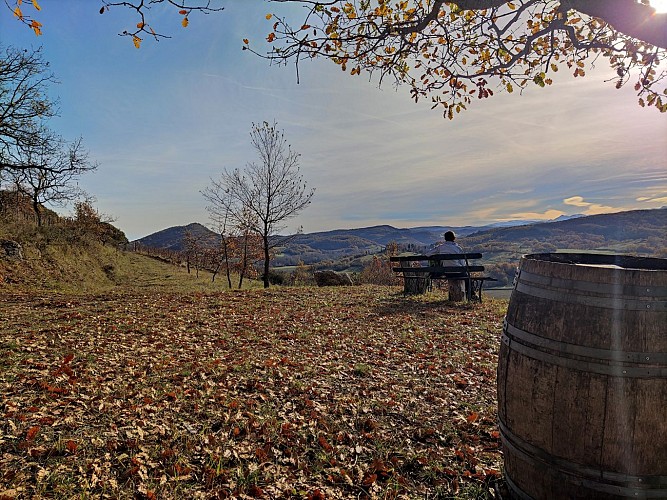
450, 236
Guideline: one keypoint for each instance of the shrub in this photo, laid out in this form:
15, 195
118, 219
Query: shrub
275, 278
378, 272
302, 275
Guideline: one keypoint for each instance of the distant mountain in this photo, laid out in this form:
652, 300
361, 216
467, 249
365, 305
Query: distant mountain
173, 238
603, 228
567, 217
638, 231
323, 245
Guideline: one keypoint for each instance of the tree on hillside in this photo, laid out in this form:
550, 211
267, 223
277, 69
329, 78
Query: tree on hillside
265, 194
56, 167
94, 225
227, 243
454, 51
239, 246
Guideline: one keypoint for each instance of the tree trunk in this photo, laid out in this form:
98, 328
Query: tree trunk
38, 215
265, 238
226, 257
215, 272
244, 261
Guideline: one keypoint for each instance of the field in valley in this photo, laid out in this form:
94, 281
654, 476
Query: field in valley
293, 392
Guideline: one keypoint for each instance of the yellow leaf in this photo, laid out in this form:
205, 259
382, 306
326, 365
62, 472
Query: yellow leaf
36, 5
18, 13
269, 16
185, 22
37, 27
137, 41
140, 25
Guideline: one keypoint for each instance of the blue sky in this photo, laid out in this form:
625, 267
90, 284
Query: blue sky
164, 119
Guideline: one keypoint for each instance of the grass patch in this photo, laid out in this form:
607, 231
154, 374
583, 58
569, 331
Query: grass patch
95, 268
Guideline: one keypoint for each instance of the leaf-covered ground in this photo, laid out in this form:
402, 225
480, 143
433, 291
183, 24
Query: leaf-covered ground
354, 392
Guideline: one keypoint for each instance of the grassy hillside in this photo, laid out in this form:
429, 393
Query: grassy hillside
55, 260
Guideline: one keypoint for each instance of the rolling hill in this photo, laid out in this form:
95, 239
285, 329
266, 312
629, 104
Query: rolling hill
641, 232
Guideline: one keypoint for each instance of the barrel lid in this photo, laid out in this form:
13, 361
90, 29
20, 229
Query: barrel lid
607, 260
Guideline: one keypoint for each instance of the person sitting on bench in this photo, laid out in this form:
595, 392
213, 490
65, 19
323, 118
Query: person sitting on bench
450, 246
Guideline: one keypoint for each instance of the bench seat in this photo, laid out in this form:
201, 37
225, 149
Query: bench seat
418, 271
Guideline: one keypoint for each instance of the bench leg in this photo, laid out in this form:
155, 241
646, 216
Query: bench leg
476, 289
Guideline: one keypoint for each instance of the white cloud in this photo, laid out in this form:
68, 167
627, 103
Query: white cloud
591, 208
547, 215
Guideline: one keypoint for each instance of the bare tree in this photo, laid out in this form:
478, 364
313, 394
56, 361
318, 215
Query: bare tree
40, 164
265, 194
226, 243
195, 245
55, 167
24, 105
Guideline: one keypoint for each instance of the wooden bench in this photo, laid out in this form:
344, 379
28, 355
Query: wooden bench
418, 271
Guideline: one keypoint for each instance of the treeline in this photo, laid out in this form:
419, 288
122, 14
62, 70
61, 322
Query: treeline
232, 256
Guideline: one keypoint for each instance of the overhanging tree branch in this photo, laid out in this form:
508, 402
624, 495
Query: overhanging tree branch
450, 50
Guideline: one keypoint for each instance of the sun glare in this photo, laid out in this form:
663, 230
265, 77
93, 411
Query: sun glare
659, 5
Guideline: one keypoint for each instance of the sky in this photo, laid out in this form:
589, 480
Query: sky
163, 120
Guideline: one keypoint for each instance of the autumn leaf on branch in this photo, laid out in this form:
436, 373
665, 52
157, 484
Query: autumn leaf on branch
440, 49
138, 7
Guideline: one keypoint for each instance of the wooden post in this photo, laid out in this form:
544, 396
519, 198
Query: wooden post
456, 290
415, 284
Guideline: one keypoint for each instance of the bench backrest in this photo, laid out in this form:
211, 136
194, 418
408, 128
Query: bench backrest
405, 262
437, 256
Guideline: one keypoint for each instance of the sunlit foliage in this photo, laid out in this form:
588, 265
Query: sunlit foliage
454, 52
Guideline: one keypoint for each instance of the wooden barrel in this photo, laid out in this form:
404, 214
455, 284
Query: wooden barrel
582, 378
